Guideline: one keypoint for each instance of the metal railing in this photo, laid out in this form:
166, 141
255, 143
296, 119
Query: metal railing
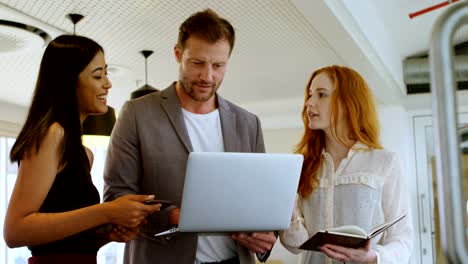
452, 208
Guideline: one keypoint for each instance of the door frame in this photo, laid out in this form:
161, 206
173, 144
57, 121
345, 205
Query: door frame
425, 194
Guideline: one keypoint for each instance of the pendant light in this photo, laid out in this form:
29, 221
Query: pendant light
145, 89
103, 124
75, 18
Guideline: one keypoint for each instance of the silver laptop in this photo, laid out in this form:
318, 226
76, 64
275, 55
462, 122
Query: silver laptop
234, 192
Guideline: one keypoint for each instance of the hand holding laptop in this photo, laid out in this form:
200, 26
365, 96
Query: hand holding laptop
174, 216
174, 213
163, 222
257, 242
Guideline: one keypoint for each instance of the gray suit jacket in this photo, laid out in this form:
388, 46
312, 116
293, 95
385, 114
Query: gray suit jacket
148, 154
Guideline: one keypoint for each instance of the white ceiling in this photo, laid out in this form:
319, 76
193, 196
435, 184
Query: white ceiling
279, 43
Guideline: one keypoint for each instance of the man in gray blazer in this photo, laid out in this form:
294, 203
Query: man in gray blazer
154, 134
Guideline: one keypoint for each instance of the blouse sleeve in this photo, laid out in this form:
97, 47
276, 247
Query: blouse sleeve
397, 243
293, 237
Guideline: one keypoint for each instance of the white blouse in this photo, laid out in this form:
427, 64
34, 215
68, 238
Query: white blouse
366, 190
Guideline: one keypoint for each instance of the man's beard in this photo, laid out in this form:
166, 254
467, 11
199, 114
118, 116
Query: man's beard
187, 87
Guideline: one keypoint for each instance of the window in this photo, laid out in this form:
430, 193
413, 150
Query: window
8, 172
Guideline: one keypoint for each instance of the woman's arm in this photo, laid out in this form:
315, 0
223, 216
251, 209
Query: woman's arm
25, 226
293, 237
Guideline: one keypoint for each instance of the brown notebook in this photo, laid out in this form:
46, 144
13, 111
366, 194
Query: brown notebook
346, 236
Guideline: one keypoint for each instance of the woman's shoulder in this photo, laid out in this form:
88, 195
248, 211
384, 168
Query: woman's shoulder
383, 152
382, 155
385, 156
53, 137
55, 133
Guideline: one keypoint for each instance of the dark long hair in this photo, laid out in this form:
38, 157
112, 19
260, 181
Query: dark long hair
55, 97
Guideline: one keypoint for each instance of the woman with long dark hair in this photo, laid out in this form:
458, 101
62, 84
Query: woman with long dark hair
55, 209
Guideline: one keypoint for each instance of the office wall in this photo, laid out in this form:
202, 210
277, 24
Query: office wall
281, 140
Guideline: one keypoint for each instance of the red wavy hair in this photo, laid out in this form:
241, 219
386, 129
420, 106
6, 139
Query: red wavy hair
356, 101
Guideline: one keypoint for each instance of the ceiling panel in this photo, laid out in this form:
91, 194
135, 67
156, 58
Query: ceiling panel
275, 51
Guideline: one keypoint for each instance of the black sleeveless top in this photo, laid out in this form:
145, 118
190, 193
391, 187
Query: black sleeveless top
72, 189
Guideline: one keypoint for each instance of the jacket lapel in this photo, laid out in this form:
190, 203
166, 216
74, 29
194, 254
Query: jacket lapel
228, 126
173, 109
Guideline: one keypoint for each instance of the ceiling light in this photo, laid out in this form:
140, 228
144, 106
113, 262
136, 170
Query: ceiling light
19, 37
145, 89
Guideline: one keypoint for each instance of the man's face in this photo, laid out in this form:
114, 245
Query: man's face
202, 67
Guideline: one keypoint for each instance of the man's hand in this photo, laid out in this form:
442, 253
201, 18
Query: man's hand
258, 242
342, 254
174, 216
123, 234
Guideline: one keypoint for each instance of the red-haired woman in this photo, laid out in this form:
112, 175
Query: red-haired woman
347, 177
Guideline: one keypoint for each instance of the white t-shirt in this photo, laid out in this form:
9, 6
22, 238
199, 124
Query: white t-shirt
206, 136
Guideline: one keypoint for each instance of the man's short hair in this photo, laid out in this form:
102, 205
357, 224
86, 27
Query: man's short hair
206, 25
